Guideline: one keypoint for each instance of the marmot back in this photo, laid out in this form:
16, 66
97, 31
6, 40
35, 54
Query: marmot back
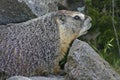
27, 46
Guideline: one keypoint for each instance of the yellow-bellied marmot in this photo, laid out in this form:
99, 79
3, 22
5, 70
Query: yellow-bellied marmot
35, 47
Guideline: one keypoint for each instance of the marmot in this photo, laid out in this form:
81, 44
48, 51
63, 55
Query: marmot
35, 47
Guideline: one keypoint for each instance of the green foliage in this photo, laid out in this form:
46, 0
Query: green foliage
108, 46
105, 43
94, 14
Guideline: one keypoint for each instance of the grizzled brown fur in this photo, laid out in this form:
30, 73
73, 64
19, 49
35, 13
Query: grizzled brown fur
29, 46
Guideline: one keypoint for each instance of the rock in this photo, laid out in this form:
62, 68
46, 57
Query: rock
48, 78
16, 11
35, 78
18, 78
76, 5
12, 11
85, 64
41, 7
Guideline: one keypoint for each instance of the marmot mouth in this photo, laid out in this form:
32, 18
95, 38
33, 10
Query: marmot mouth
86, 26
85, 32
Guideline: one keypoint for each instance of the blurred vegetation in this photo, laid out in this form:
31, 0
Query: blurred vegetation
102, 36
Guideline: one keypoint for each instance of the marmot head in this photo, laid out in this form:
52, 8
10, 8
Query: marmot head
74, 22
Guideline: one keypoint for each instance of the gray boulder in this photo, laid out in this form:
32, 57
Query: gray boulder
16, 11
85, 64
76, 5
12, 11
18, 78
41, 7
48, 78
35, 78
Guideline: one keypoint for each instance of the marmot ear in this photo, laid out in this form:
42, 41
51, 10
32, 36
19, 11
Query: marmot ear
62, 18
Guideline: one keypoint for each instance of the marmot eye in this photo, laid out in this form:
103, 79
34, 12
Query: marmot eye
77, 17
